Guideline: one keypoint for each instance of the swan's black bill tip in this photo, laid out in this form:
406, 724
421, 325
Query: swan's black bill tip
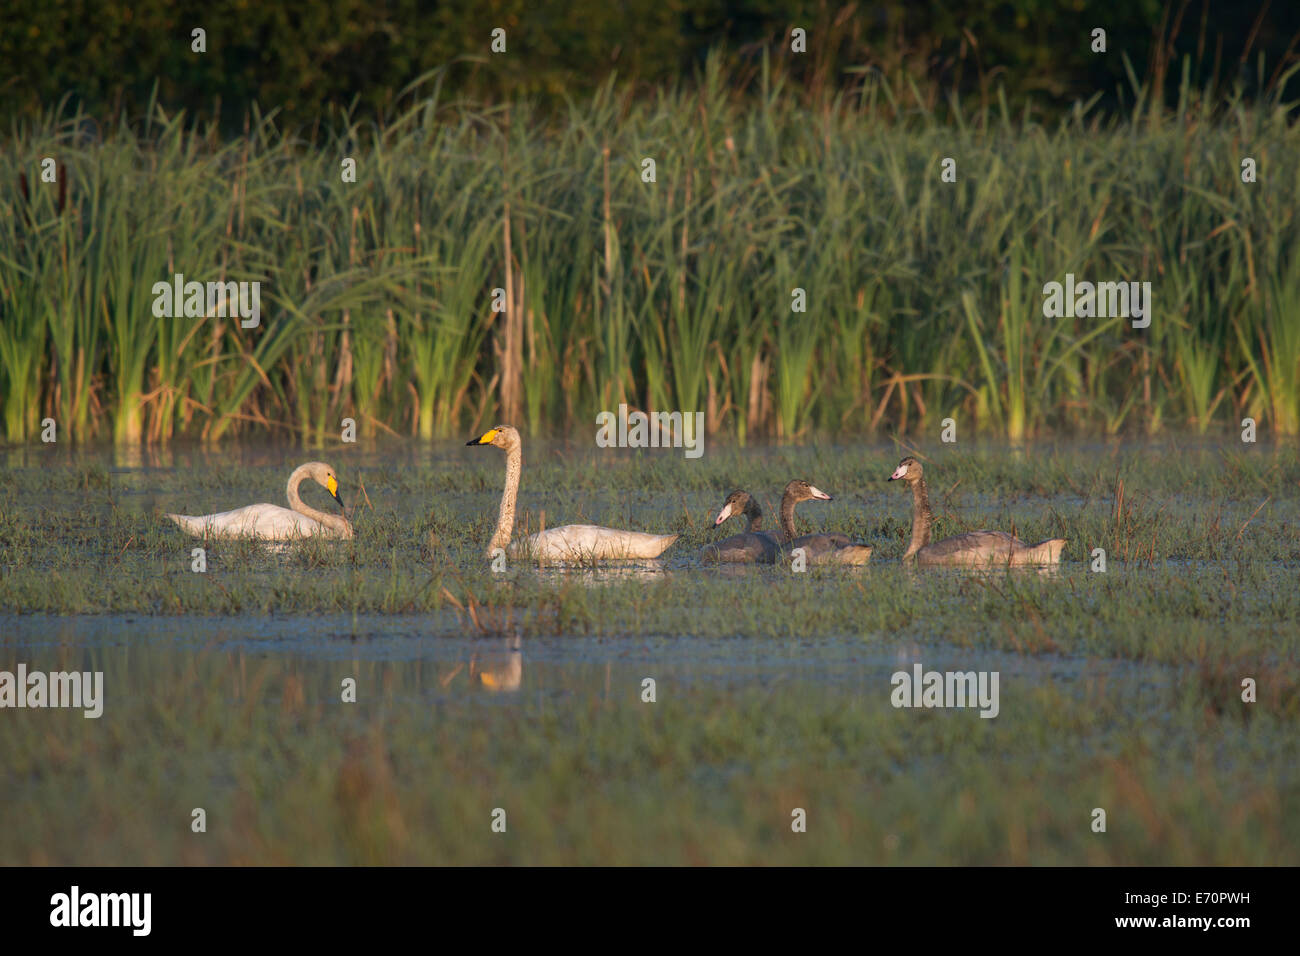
472, 441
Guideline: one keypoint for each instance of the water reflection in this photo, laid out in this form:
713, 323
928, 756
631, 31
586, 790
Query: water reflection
501, 670
735, 569
984, 572
1042, 571
604, 574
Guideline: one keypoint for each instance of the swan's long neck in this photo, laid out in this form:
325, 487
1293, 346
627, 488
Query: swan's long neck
922, 518
335, 522
755, 515
787, 516
506, 519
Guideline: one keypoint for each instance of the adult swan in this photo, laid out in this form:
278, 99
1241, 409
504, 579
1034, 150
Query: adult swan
572, 542
272, 522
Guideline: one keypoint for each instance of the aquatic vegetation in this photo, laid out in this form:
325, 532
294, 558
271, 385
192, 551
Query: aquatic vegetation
523, 689
920, 299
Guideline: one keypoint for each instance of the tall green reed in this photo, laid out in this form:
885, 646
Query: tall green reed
924, 296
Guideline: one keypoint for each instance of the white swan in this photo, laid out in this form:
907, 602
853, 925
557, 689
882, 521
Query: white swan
572, 542
272, 522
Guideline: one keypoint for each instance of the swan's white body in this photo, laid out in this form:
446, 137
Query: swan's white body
569, 543
272, 522
575, 542
253, 521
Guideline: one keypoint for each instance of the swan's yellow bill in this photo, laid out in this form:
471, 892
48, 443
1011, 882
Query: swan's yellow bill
487, 436
332, 484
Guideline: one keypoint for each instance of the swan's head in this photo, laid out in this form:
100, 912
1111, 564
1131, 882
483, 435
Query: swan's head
909, 470
503, 436
324, 476
737, 503
801, 490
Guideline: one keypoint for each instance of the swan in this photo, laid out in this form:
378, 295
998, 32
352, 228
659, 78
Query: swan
974, 548
831, 548
273, 522
753, 546
572, 542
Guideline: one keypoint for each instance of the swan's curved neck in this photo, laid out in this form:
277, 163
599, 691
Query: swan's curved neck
922, 518
787, 516
506, 519
755, 515
298, 505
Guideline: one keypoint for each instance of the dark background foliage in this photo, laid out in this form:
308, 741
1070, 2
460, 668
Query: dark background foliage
302, 58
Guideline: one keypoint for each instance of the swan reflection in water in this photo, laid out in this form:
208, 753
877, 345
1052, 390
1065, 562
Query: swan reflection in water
626, 570
1019, 570
992, 573
501, 670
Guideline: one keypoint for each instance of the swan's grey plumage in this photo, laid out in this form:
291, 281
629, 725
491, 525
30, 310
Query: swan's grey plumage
822, 548
753, 546
272, 522
572, 542
973, 548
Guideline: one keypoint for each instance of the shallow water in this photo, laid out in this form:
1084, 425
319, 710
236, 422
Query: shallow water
838, 663
772, 686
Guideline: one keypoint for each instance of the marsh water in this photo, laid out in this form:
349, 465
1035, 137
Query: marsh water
402, 489
763, 682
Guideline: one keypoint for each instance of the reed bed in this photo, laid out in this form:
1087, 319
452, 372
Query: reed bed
924, 298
